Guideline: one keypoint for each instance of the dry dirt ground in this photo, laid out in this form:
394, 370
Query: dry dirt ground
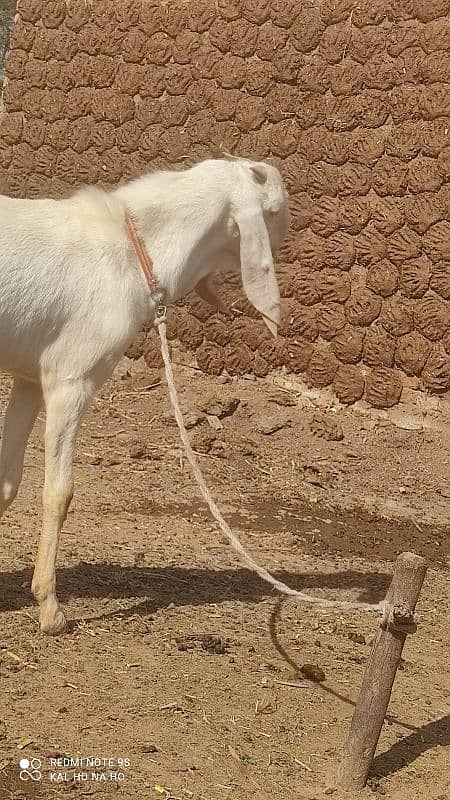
177, 659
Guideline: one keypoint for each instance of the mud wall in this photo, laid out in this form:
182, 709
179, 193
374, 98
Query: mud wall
348, 97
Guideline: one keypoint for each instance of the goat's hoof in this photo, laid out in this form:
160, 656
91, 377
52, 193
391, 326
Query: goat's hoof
53, 624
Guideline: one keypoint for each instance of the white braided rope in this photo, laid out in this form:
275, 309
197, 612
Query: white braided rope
225, 528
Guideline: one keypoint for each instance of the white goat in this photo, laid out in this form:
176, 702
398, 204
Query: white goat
73, 297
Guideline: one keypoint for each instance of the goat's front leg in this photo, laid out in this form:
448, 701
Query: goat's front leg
23, 407
65, 404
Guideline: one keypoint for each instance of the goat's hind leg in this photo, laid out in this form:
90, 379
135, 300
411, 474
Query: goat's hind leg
23, 407
65, 404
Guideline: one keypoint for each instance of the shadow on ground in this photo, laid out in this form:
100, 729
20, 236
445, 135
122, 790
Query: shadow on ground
406, 750
182, 586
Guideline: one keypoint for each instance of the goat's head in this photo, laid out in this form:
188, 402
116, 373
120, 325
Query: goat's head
258, 220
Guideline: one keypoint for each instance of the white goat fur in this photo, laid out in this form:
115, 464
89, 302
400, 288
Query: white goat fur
73, 297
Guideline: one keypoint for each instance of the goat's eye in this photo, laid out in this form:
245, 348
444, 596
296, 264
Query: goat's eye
275, 208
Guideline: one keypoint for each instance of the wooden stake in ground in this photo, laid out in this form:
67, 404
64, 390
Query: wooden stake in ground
370, 711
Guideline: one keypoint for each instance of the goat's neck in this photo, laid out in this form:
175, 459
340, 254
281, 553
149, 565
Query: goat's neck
184, 243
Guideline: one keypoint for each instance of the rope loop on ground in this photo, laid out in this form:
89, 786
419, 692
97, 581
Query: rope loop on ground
246, 558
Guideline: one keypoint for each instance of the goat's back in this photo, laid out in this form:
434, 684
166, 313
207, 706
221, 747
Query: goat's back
63, 282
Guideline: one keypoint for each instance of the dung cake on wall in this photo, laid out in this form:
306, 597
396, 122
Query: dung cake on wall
349, 98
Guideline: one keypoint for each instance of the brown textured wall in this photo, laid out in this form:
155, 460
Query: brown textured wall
348, 97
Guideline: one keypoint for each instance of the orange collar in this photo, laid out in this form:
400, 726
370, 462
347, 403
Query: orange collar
143, 257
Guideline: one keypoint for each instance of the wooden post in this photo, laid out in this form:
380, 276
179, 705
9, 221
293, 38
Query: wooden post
370, 710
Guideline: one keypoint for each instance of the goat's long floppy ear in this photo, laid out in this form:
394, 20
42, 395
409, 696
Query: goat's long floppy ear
258, 271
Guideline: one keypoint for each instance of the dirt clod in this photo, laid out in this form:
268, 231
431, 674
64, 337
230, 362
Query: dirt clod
193, 418
213, 644
203, 439
327, 428
282, 398
313, 672
354, 636
217, 406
